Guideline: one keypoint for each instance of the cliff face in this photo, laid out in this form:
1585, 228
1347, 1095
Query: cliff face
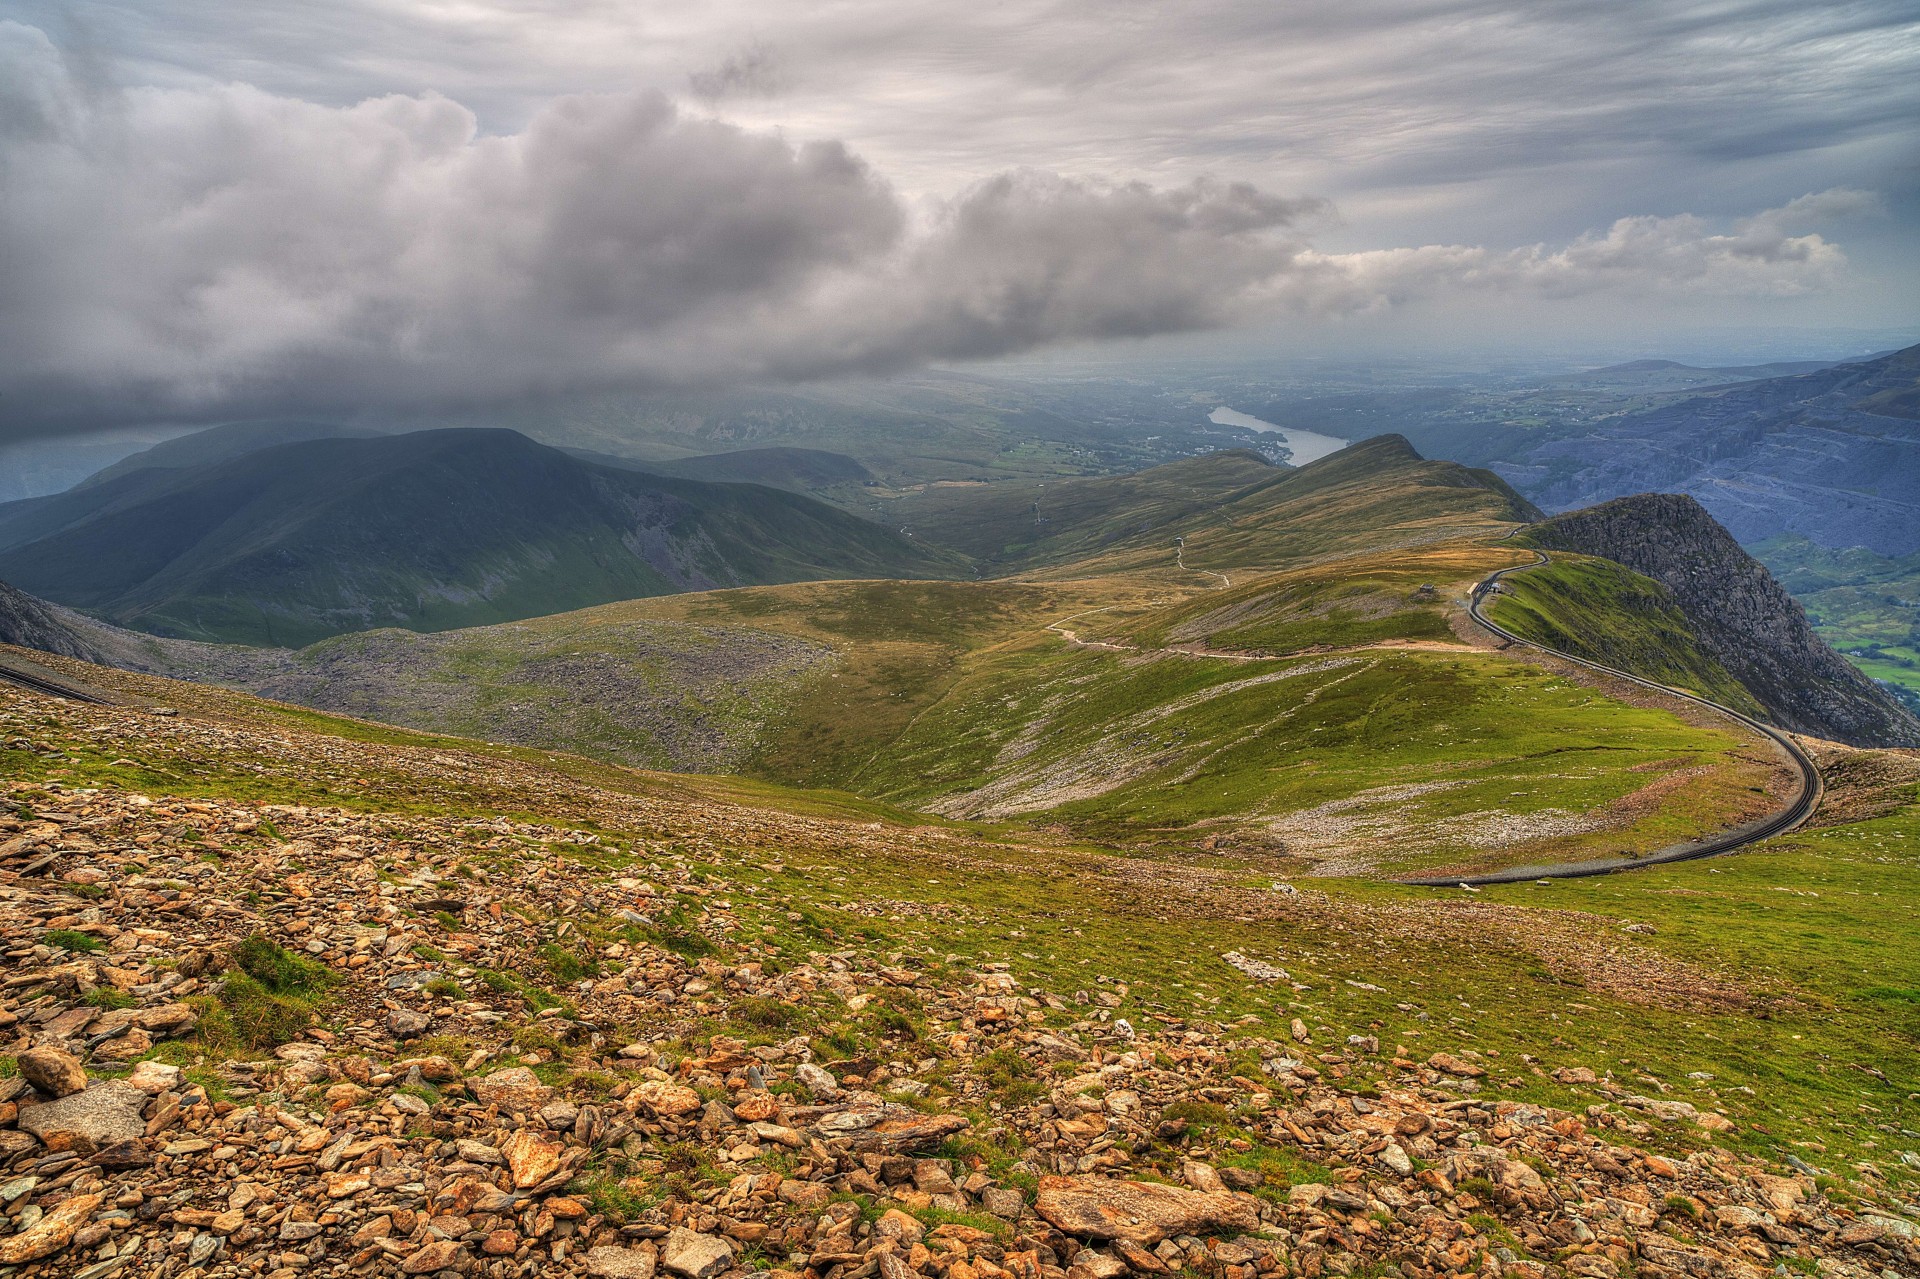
31, 623
1738, 613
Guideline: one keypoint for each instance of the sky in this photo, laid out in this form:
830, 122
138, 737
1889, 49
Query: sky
215, 209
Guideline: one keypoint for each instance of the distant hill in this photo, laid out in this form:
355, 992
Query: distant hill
219, 443
1833, 455
426, 531
1233, 509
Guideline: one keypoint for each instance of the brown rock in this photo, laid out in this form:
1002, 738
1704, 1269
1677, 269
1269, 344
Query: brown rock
757, 1107
106, 1114
504, 1243
621, 1263
438, 1255
696, 1256
1093, 1208
515, 1088
53, 1072
663, 1098
51, 1233
532, 1157
1453, 1065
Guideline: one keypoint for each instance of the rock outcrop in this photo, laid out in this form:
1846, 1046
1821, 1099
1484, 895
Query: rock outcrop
30, 622
1739, 614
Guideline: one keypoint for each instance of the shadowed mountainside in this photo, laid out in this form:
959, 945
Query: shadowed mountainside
428, 531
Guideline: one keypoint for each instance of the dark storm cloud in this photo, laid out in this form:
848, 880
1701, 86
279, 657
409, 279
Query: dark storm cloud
211, 249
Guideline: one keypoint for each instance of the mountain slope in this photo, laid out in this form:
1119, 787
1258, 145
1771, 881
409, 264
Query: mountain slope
1833, 455
427, 531
1233, 509
1740, 616
27, 622
224, 442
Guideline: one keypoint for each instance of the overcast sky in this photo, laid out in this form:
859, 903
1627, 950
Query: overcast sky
213, 208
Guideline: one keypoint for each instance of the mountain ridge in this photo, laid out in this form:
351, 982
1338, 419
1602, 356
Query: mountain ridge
427, 530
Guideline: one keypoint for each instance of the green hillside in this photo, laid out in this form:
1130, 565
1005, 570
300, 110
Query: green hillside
1225, 511
1606, 613
428, 531
1283, 668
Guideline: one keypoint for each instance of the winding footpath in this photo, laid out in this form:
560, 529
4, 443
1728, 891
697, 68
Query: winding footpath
1796, 811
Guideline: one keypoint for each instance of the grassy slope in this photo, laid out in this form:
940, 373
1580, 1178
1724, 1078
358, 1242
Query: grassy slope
1607, 613
1384, 760
1262, 711
1029, 522
1794, 938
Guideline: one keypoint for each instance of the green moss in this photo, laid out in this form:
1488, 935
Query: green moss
70, 939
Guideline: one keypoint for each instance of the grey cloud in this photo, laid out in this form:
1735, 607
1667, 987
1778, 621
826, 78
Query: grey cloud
203, 250
754, 71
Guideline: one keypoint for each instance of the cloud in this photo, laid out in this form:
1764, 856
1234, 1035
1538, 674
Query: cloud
754, 71
208, 250
1679, 256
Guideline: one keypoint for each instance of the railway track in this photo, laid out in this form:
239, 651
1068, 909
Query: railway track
1795, 812
24, 679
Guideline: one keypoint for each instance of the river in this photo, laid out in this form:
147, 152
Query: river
1305, 446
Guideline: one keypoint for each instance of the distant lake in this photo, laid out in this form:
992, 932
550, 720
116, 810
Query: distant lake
1306, 446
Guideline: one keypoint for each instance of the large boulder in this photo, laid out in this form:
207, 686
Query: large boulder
53, 1072
1141, 1212
106, 1114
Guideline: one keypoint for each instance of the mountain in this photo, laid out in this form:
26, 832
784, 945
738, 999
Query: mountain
1833, 455
1741, 617
27, 622
220, 443
796, 469
427, 531
1225, 510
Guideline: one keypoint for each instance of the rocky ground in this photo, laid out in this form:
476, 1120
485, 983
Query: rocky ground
254, 1038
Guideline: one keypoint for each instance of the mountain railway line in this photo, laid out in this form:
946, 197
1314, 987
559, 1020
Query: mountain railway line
25, 679
1788, 818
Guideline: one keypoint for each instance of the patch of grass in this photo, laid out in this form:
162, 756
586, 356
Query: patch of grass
567, 965
109, 997
617, 1198
445, 988
281, 971
1010, 1076
767, 1013
71, 939
267, 998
